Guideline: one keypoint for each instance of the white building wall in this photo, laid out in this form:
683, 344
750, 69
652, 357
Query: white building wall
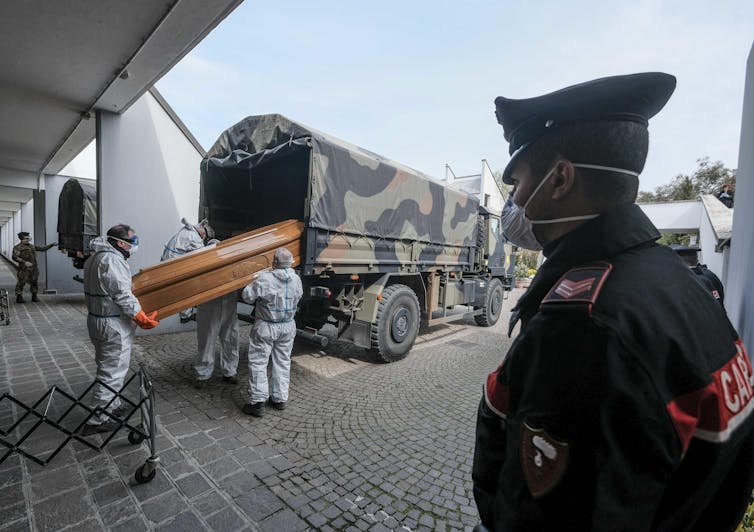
726, 261
16, 229
739, 293
674, 217
481, 185
688, 217
6, 238
13, 225
490, 188
10, 229
148, 178
84, 165
707, 243
27, 219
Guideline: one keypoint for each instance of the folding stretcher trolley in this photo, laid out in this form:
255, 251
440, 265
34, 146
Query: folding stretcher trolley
31, 419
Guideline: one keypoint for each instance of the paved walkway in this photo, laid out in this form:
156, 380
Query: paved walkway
362, 445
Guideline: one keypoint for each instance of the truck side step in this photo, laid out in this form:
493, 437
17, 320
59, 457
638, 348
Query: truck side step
454, 317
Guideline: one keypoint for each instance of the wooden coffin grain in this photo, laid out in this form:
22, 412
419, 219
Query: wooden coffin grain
208, 273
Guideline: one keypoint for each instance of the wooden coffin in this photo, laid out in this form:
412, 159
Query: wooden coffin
208, 273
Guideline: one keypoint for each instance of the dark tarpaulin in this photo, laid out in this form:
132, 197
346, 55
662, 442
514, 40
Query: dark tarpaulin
349, 189
77, 216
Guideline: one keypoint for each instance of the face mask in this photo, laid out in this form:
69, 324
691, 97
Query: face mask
518, 229
133, 242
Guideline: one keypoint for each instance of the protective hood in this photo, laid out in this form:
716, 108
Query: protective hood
187, 239
100, 243
282, 274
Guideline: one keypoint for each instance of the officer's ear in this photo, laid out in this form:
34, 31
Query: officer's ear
563, 180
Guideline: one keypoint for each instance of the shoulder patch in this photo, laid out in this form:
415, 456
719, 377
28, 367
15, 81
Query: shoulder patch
578, 288
543, 459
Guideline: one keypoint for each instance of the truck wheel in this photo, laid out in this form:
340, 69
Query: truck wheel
493, 304
397, 324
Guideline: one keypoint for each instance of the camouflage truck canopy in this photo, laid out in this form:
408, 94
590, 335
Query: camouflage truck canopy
268, 168
77, 215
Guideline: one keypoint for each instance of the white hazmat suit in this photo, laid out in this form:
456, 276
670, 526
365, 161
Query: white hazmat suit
275, 294
217, 318
186, 240
111, 306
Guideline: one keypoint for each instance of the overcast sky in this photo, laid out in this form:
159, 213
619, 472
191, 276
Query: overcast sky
415, 80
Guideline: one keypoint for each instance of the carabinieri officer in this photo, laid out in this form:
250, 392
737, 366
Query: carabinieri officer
625, 401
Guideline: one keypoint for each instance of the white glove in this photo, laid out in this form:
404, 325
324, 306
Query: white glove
28, 264
212, 242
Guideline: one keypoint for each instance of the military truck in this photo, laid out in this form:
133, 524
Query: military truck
385, 250
77, 220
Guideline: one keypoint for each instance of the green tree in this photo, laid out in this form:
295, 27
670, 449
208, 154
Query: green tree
708, 178
676, 238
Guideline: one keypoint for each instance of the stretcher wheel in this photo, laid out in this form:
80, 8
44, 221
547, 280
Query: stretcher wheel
135, 438
141, 478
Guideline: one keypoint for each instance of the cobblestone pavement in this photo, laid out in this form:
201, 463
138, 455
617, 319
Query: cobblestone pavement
361, 446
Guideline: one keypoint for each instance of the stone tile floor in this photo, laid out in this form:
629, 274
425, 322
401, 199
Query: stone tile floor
362, 445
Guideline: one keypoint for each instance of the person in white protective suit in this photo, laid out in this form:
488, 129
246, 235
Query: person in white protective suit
188, 238
217, 318
114, 313
275, 294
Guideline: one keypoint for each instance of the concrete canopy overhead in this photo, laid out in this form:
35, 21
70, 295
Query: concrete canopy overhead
62, 61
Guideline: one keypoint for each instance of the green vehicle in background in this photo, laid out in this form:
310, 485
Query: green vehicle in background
386, 249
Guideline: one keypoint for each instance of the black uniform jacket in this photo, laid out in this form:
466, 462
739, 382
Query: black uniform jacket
625, 401
710, 281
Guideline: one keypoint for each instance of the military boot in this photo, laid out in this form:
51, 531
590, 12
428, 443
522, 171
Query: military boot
254, 409
34, 298
19, 298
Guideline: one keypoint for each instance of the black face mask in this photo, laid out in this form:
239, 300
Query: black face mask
114, 243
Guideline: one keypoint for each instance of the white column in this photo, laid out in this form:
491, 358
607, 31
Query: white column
148, 177
27, 218
739, 293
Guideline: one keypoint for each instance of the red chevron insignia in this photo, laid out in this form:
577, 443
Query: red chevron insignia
568, 289
577, 288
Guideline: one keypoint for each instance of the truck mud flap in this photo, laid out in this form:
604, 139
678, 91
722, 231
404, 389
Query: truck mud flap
359, 333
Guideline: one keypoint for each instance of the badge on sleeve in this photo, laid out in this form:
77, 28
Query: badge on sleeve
543, 459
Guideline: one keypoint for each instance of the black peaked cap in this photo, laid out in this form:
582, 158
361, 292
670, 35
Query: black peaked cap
630, 98
684, 250
22, 234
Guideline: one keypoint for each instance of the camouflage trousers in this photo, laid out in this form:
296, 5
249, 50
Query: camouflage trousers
25, 276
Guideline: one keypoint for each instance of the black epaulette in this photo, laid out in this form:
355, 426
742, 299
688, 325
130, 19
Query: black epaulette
578, 288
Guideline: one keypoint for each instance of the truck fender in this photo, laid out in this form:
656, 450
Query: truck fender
373, 293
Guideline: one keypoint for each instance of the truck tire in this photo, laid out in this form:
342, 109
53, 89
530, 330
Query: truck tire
493, 304
397, 323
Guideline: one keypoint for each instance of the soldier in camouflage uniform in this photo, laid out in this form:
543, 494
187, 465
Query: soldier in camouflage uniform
25, 254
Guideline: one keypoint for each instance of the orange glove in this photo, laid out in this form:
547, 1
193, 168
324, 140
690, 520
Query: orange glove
146, 321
